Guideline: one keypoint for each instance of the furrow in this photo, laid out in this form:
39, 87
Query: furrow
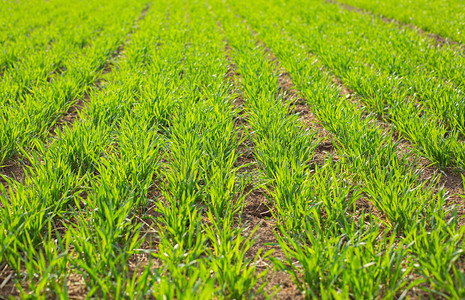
436, 38
440, 19
257, 210
72, 114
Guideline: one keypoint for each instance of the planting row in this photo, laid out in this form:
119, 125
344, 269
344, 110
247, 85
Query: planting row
40, 87
143, 195
443, 17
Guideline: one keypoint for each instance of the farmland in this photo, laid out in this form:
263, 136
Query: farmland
232, 149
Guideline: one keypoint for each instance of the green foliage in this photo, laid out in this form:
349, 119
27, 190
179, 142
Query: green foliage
142, 192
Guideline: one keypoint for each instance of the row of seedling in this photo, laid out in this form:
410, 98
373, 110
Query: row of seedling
164, 122
31, 106
440, 18
352, 257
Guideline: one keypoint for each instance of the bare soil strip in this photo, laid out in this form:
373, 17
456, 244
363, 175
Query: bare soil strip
299, 106
12, 169
257, 209
438, 40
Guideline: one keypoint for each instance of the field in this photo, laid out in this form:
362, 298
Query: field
232, 149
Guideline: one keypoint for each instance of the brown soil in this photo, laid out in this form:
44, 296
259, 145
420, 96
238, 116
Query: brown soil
451, 180
7, 285
257, 214
70, 116
13, 169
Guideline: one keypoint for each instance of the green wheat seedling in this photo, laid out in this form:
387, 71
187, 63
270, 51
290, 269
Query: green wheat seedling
129, 120
398, 11
438, 254
234, 272
358, 133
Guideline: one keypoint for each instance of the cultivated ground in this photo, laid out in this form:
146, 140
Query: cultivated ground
232, 149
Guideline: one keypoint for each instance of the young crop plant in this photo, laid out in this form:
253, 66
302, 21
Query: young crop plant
203, 149
328, 265
235, 273
78, 183
363, 145
437, 255
300, 195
